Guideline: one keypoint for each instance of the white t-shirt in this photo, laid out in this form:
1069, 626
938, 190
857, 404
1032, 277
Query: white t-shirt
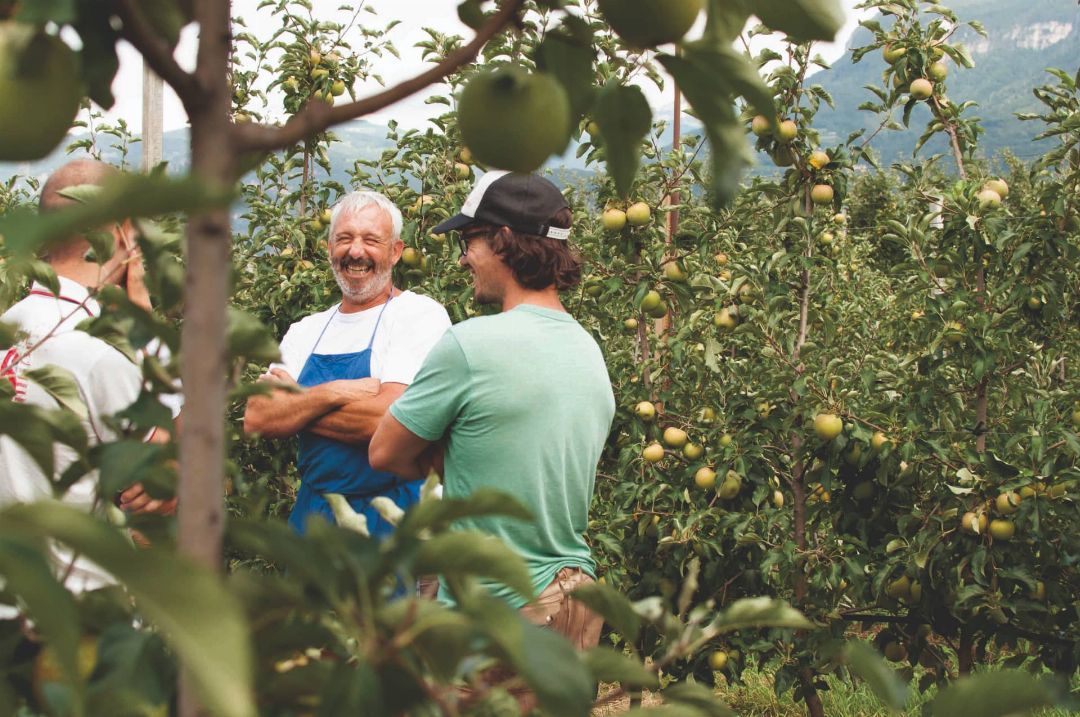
409, 328
108, 382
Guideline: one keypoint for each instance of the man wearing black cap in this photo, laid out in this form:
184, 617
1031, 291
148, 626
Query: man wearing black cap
522, 397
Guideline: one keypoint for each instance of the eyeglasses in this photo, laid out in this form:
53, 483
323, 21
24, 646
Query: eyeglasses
465, 237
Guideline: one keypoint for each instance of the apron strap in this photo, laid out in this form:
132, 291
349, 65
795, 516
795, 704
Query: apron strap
324, 328
379, 319
335, 313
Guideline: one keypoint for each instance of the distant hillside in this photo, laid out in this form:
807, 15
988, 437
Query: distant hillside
1023, 38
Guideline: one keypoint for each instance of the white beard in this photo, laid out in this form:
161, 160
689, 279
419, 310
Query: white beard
369, 287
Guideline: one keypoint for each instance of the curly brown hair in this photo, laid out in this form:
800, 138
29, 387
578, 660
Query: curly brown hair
539, 262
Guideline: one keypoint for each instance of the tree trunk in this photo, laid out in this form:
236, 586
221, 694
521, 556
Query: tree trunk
203, 351
965, 653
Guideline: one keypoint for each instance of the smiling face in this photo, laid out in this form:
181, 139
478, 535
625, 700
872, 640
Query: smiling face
489, 273
363, 252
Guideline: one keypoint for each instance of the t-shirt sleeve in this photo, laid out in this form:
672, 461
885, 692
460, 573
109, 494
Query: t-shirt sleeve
112, 385
411, 339
292, 351
438, 393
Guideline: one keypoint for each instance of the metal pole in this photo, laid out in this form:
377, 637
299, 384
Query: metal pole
153, 110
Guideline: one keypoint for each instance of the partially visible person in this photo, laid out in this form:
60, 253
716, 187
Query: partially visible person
522, 398
349, 363
107, 380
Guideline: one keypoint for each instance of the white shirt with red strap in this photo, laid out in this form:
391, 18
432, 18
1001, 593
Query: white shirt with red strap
107, 380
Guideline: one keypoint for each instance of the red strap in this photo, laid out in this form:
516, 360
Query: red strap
80, 304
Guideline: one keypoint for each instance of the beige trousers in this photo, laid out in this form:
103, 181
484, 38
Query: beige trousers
553, 609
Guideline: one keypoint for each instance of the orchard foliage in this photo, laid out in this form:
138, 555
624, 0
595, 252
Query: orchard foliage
848, 397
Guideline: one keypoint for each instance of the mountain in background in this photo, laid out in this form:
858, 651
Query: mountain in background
1024, 37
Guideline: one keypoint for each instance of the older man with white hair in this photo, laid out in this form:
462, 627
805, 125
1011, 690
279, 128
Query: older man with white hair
350, 363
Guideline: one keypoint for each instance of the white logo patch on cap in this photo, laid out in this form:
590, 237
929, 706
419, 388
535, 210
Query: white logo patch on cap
472, 202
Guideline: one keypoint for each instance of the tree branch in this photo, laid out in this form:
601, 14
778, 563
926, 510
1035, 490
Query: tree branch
318, 115
156, 52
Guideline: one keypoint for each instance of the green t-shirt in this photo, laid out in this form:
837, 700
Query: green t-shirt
525, 401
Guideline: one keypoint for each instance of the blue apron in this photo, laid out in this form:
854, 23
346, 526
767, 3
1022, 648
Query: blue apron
330, 466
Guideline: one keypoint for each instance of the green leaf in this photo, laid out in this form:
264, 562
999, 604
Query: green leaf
613, 606
134, 674
802, 20
996, 694
606, 665
624, 118
760, 612
729, 151
41, 12
9, 334
27, 573
124, 463
166, 17
698, 697
126, 196
570, 60
725, 20
60, 384
198, 618
27, 426
437, 515
865, 662
248, 338
467, 553
733, 72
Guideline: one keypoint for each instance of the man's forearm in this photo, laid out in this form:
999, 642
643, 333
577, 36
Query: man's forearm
356, 421
286, 413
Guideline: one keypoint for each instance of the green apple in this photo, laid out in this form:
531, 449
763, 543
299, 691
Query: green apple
821, 194
675, 437
921, 89
648, 23
725, 320
705, 478
639, 214
787, 132
645, 410
999, 186
988, 199
613, 219
650, 301
514, 119
761, 126
40, 91
653, 453
892, 53
828, 426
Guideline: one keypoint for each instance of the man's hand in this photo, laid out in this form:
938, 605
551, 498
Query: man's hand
136, 500
136, 274
279, 376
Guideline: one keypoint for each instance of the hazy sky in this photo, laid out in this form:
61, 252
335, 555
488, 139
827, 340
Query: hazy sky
414, 14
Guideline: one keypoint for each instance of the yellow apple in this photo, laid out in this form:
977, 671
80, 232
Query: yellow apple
613, 219
653, 453
675, 437
639, 214
705, 478
828, 426
645, 410
821, 194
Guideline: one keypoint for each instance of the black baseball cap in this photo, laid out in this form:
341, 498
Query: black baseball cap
524, 202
